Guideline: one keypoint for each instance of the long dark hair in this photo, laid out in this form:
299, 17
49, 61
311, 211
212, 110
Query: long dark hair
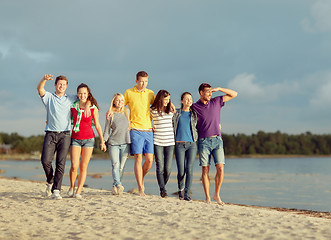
158, 102
90, 96
182, 97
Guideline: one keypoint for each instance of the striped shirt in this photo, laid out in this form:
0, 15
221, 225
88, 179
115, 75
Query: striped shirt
163, 129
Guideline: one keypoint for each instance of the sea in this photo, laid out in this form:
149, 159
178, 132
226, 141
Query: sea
296, 183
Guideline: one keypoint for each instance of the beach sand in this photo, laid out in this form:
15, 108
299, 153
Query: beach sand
26, 214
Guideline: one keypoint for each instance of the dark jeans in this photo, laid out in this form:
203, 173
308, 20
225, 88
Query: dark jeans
185, 156
163, 160
58, 142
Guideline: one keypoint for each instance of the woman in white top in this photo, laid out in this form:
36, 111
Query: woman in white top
164, 141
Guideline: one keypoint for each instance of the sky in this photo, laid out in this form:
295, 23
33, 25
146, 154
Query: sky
276, 54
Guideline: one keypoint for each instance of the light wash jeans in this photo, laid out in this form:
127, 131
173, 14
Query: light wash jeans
211, 146
185, 156
118, 156
163, 160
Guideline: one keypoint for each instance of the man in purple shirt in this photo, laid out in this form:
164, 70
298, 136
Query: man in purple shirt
210, 142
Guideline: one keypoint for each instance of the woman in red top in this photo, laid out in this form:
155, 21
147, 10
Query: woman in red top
82, 138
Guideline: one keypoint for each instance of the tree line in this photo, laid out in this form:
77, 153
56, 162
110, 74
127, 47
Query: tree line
261, 143
277, 143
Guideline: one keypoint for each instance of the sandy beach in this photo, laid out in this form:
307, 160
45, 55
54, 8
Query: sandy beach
26, 214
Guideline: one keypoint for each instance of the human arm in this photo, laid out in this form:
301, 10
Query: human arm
152, 119
106, 131
98, 128
41, 85
172, 108
108, 114
230, 94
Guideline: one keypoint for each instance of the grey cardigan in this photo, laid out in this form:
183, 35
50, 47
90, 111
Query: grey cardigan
194, 121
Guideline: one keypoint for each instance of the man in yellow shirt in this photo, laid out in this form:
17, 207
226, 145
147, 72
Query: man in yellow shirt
139, 100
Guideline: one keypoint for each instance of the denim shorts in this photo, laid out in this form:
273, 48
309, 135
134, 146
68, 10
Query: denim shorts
141, 142
84, 143
211, 146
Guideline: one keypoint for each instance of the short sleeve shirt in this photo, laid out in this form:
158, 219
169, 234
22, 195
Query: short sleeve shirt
139, 104
163, 129
58, 111
209, 117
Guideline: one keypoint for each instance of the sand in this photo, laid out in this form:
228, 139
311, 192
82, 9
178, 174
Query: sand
26, 214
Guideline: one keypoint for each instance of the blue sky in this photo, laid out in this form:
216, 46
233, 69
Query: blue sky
276, 54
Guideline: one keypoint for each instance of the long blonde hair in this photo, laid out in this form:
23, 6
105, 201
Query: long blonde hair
121, 110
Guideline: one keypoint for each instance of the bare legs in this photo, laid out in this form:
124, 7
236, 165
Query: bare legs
141, 170
218, 182
205, 182
75, 154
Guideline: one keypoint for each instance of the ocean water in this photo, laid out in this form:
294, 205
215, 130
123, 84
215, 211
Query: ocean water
300, 183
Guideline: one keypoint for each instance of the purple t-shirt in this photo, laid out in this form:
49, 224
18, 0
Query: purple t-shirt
209, 117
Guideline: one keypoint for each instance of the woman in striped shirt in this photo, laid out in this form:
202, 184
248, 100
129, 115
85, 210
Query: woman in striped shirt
164, 141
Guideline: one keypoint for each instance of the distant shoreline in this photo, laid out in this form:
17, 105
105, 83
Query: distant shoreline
33, 157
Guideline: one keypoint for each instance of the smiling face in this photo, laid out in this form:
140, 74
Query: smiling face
61, 87
118, 102
187, 101
166, 101
205, 94
83, 94
142, 83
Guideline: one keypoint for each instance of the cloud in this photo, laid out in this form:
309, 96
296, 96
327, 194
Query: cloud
21, 115
250, 89
246, 85
322, 97
13, 48
39, 56
320, 19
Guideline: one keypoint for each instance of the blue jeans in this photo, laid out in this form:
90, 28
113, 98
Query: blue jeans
211, 146
185, 155
118, 156
58, 142
83, 143
163, 160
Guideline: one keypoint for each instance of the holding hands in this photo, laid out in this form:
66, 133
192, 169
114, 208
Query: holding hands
103, 146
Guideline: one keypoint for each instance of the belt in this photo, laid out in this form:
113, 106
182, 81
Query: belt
58, 131
142, 130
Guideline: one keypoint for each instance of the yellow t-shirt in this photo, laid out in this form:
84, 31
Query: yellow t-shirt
139, 104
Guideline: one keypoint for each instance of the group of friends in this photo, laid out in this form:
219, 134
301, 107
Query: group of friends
151, 127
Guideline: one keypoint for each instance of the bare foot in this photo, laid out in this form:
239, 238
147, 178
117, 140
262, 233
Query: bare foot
141, 193
208, 201
218, 200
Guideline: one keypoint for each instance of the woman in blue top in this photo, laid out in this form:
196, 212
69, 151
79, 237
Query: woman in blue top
186, 135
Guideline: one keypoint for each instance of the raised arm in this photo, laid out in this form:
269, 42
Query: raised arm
41, 85
230, 94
